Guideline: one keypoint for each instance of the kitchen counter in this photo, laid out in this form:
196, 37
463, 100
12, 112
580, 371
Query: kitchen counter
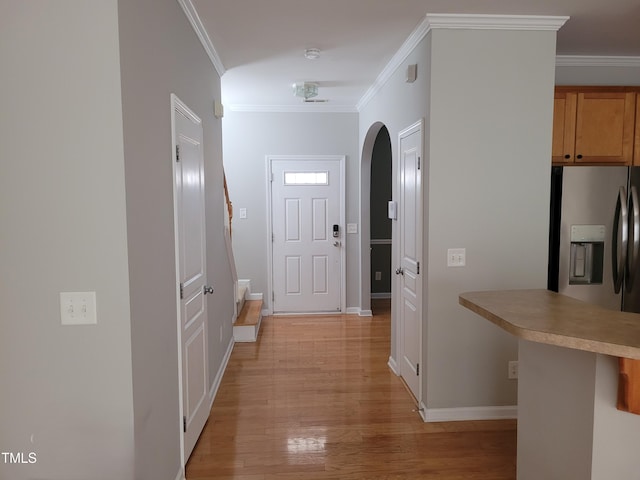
547, 317
568, 424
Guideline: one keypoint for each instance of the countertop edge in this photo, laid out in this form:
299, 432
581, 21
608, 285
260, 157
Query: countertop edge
550, 338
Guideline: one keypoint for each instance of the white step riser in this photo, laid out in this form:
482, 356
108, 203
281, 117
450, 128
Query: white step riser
247, 333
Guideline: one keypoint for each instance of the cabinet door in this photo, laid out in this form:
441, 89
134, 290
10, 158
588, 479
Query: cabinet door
605, 127
564, 127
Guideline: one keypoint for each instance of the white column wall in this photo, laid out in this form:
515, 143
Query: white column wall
490, 138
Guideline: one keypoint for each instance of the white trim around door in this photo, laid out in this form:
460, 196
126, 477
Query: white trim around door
410, 265
341, 240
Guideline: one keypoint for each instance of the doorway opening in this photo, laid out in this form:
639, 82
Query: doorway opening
376, 183
380, 224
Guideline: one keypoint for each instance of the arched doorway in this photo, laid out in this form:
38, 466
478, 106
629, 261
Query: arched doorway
380, 224
376, 189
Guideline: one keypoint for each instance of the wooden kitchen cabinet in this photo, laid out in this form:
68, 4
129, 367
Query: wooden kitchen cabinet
564, 127
594, 126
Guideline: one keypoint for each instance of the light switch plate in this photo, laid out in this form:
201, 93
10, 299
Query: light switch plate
78, 308
243, 213
352, 228
456, 257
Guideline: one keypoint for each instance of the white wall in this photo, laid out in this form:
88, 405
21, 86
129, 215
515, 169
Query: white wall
86, 205
66, 391
397, 105
248, 138
568, 424
624, 76
161, 55
490, 138
487, 100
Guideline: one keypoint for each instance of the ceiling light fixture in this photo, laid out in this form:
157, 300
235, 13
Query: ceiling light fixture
305, 90
312, 53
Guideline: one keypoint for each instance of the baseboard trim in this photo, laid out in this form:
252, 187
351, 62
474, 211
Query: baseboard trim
381, 295
216, 382
393, 366
468, 413
358, 311
181, 475
254, 296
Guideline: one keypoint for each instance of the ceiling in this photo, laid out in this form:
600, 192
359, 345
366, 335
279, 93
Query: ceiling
260, 44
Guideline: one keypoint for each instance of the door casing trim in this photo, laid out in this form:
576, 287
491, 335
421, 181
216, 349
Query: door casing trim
269, 159
178, 106
397, 297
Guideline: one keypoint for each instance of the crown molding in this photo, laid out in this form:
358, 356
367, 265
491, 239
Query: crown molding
398, 58
293, 108
457, 21
596, 61
198, 27
495, 22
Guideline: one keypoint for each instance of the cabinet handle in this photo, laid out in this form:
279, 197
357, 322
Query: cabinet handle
567, 156
578, 157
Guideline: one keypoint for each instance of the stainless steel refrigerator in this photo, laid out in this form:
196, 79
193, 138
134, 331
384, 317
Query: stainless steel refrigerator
594, 235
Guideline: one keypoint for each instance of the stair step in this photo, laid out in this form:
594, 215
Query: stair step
250, 314
248, 322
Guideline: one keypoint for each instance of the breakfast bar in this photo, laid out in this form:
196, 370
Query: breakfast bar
568, 424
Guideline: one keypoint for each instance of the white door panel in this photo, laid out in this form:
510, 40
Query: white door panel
191, 242
307, 260
410, 233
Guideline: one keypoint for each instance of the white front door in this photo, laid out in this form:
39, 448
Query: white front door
410, 233
191, 261
307, 226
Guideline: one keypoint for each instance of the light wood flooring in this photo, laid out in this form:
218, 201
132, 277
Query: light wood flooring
314, 398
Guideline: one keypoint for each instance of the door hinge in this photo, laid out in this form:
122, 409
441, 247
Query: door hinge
181, 291
273, 237
177, 153
418, 163
184, 424
273, 297
418, 271
417, 371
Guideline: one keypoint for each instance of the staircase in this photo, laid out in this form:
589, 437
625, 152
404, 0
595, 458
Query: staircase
248, 312
249, 306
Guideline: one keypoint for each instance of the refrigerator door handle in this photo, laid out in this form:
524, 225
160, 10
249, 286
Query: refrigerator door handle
621, 228
634, 241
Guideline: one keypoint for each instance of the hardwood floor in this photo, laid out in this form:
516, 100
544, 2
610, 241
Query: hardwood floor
314, 398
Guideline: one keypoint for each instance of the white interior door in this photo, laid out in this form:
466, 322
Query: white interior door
191, 261
307, 256
410, 233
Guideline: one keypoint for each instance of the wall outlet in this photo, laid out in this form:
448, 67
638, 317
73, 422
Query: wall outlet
513, 369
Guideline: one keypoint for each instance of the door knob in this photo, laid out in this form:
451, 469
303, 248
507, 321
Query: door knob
336, 243
399, 271
207, 289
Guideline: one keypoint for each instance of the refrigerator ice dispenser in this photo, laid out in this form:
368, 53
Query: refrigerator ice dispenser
587, 254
